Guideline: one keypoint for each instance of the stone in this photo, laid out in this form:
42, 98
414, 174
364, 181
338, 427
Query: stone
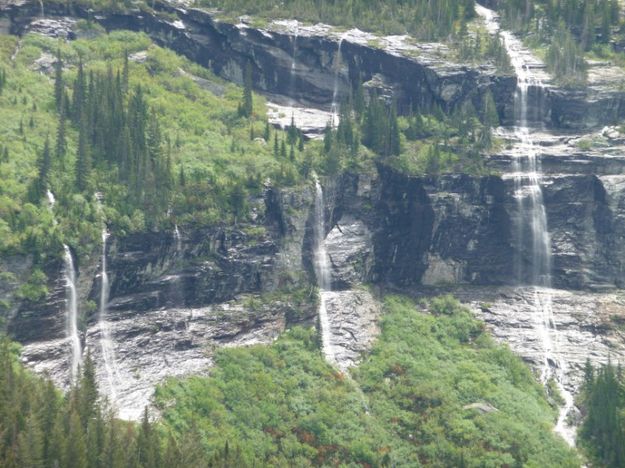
350, 250
353, 316
483, 408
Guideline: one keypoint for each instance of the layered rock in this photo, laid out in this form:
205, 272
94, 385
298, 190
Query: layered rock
172, 300
293, 62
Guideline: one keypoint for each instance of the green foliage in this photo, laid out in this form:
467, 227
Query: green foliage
565, 59
409, 403
582, 17
571, 28
482, 46
41, 428
602, 433
35, 288
426, 19
123, 128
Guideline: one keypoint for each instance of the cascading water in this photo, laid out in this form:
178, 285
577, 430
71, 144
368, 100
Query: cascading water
51, 199
177, 238
106, 340
532, 227
71, 308
71, 302
335, 93
322, 271
293, 63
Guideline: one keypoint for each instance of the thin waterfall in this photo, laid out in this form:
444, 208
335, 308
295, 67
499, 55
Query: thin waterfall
178, 239
293, 65
322, 272
337, 72
71, 303
532, 226
71, 312
106, 341
51, 199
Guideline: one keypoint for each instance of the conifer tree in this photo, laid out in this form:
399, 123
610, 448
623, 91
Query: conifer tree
83, 158
61, 143
59, 86
246, 108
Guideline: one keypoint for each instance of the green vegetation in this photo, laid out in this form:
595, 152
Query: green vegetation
140, 131
602, 434
435, 391
425, 142
425, 19
43, 429
482, 47
571, 28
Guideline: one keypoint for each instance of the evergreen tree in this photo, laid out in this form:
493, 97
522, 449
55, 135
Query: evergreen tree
75, 455
246, 108
83, 158
42, 182
30, 445
87, 392
61, 143
276, 146
79, 95
125, 73
267, 133
59, 86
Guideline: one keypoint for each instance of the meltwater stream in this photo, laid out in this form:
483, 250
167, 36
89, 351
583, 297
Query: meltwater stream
71, 321
322, 271
71, 303
106, 340
532, 227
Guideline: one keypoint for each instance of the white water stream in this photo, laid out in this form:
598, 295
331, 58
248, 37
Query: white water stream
71, 302
178, 239
532, 225
337, 74
106, 340
322, 271
71, 308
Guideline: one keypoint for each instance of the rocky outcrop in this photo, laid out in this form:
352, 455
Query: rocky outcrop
152, 345
297, 63
354, 316
587, 325
174, 299
444, 229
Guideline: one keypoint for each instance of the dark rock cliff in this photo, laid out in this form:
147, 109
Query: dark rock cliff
300, 67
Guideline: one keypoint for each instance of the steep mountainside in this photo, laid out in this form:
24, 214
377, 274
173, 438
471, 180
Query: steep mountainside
215, 217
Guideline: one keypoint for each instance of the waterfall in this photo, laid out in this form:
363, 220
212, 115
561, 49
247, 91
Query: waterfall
106, 340
51, 199
178, 239
71, 302
532, 226
293, 65
71, 312
337, 71
322, 272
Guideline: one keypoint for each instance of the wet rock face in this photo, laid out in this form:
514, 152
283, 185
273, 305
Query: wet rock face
441, 230
588, 325
354, 316
150, 346
147, 271
461, 230
350, 249
289, 64
172, 301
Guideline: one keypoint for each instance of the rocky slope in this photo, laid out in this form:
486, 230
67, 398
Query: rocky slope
172, 300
